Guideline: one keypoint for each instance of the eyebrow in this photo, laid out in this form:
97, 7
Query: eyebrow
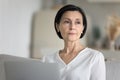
66, 18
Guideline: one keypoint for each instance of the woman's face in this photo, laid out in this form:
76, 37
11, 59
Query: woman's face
71, 25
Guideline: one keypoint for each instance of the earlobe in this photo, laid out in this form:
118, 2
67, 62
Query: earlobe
57, 27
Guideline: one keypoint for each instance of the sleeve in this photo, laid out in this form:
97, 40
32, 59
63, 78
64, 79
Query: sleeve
98, 69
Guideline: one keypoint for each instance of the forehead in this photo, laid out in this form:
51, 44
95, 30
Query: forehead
72, 14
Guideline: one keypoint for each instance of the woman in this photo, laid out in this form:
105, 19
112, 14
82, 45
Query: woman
75, 61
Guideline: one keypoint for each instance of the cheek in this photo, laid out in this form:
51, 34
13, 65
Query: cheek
63, 31
81, 29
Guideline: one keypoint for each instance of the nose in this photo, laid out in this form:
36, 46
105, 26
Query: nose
72, 26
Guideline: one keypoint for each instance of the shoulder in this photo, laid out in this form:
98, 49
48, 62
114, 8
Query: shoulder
93, 52
95, 55
49, 57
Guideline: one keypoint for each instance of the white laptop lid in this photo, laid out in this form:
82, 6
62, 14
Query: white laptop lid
31, 70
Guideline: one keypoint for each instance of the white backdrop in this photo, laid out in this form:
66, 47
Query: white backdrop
15, 26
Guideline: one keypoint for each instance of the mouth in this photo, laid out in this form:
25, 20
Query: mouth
71, 33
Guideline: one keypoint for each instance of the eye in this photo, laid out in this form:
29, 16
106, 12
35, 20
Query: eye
66, 21
78, 22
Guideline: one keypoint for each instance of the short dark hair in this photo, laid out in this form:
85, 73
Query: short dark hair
70, 7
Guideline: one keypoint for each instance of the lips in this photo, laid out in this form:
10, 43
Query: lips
71, 33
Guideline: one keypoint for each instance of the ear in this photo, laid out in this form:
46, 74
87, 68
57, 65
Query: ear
57, 27
82, 29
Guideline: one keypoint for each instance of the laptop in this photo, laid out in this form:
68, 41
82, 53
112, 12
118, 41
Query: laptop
31, 70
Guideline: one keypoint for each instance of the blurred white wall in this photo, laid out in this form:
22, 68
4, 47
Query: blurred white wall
15, 26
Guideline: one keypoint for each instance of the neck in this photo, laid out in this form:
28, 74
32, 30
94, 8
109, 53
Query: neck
72, 47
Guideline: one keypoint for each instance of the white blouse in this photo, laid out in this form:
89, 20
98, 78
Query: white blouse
87, 65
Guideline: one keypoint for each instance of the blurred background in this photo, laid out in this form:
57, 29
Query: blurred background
27, 26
